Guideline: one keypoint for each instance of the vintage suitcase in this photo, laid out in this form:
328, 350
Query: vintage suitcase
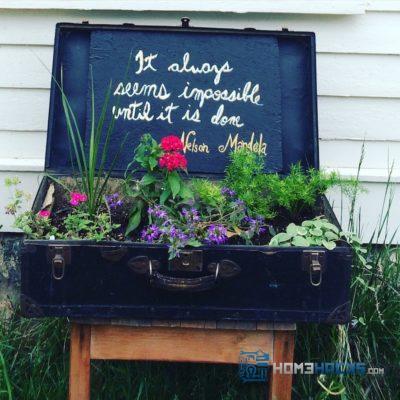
273, 75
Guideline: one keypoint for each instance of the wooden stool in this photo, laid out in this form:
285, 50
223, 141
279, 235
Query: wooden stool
185, 341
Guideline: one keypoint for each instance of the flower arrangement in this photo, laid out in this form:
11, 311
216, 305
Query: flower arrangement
164, 206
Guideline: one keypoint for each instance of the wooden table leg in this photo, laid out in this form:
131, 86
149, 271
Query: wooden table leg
280, 385
79, 374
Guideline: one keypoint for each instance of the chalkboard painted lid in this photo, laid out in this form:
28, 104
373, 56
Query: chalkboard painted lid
218, 89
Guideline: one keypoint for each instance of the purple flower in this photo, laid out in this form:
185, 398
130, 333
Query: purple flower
158, 212
240, 203
216, 234
151, 233
255, 225
191, 215
228, 192
114, 201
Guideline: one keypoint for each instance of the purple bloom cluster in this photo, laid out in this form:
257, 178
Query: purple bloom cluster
228, 192
114, 201
151, 233
216, 234
191, 216
256, 225
158, 212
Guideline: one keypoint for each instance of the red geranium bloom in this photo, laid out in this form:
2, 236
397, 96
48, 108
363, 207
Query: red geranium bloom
171, 143
173, 161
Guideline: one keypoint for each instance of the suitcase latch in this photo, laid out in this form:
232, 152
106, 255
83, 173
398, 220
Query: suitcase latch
314, 263
60, 257
188, 260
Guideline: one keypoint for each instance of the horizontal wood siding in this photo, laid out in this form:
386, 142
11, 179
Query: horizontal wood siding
358, 63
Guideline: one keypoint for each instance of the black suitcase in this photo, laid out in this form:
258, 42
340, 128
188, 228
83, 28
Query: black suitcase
271, 78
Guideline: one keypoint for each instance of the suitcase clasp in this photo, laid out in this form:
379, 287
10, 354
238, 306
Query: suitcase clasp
59, 256
314, 263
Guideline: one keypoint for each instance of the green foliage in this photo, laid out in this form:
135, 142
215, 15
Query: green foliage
80, 225
208, 193
245, 176
34, 226
269, 194
298, 191
316, 232
157, 186
18, 197
91, 158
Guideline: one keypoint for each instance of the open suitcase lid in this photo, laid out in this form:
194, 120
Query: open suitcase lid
219, 89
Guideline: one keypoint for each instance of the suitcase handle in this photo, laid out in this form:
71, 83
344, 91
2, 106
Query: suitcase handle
177, 284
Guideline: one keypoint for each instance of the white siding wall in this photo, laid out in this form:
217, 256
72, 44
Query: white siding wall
358, 59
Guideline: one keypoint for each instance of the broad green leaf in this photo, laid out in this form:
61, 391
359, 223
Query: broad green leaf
302, 231
316, 232
282, 237
300, 241
329, 235
148, 179
152, 162
292, 229
185, 193
174, 183
308, 223
329, 245
164, 196
328, 225
134, 221
194, 243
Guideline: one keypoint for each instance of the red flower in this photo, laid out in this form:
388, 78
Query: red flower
171, 143
173, 161
44, 214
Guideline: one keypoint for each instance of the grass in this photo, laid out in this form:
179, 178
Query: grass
36, 358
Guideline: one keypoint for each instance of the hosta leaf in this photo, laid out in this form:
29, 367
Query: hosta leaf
329, 245
328, 225
302, 231
316, 232
283, 237
329, 235
292, 229
300, 241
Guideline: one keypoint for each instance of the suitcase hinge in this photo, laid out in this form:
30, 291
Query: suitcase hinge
60, 257
314, 263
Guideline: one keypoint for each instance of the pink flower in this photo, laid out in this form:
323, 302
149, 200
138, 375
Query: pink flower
77, 198
44, 214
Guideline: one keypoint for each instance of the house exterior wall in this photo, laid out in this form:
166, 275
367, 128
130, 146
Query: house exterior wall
358, 69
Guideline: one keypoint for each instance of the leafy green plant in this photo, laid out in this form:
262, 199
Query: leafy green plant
161, 183
299, 190
18, 196
316, 232
245, 176
80, 224
208, 193
91, 158
35, 226
270, 194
